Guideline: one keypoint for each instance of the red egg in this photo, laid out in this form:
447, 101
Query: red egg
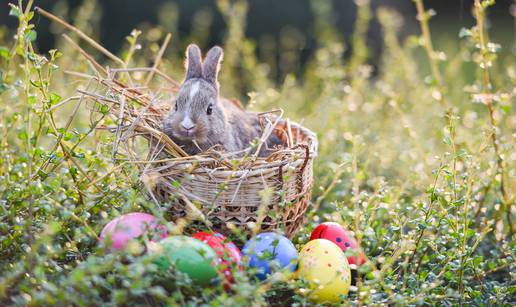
229, 254
343, 238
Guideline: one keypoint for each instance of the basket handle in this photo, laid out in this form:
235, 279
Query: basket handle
305, 163
307, 155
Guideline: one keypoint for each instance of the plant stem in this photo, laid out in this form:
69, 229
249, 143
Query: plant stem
423, 17
360, 50
463, 256
157, 60
428, 213
486, 84
24, 45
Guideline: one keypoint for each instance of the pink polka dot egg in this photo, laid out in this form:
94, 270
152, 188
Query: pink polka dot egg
120, 231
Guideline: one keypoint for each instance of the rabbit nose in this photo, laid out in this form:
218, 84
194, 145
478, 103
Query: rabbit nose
187, 123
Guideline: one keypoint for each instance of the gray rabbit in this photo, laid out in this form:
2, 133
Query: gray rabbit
200, 119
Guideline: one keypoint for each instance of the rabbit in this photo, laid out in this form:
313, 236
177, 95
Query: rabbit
200, 119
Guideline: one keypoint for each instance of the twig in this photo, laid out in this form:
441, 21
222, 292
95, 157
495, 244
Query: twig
268, 130
119, 126
157, 60
289, 134
64, 102
78, 74
81, 35
150, 69
90, 59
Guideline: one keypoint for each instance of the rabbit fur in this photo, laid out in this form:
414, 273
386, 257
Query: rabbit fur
200, 119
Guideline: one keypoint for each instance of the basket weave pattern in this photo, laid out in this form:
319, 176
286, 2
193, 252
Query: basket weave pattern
273, 194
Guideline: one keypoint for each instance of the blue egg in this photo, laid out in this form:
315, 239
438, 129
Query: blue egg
269, 251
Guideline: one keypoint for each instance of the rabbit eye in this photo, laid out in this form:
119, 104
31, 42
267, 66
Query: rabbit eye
175, 107
210, 109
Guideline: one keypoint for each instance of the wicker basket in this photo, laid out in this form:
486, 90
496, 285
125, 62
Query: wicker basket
271, 193
251, 193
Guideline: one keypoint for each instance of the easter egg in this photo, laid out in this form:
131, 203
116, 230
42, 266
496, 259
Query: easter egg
325, 267
131, 226
269, 251
344, 239
187, 255
229, 255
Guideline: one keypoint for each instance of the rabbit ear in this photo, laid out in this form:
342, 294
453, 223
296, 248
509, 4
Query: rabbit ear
211, 65
193, 63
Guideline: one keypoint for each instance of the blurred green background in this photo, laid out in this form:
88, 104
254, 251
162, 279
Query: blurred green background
278, 28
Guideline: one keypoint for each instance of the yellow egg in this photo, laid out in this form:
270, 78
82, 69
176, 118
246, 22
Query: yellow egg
325, 267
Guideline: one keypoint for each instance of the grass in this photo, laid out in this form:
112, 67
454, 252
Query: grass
416, 157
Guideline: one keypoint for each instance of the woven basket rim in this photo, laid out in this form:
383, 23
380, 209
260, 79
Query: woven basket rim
298, 155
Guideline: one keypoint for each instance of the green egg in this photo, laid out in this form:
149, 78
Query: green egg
190, 256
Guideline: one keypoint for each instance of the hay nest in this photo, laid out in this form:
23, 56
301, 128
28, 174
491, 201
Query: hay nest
222, 189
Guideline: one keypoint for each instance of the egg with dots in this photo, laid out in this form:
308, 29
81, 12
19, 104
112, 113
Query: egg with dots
120, 231
229, 254
342, 238
324, 266
269, 252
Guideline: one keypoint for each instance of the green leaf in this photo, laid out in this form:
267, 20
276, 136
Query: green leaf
31, 100
176, 184
477, 260
4, 53
54, 98
3, 87
506, 108
104, 109
54, 54
30, 15
67, 136
42, 174
15, 11
78, 155
22, 135
36, 84
447, 140
464, 33
53, 67
422, 226
74, 171
31, 36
